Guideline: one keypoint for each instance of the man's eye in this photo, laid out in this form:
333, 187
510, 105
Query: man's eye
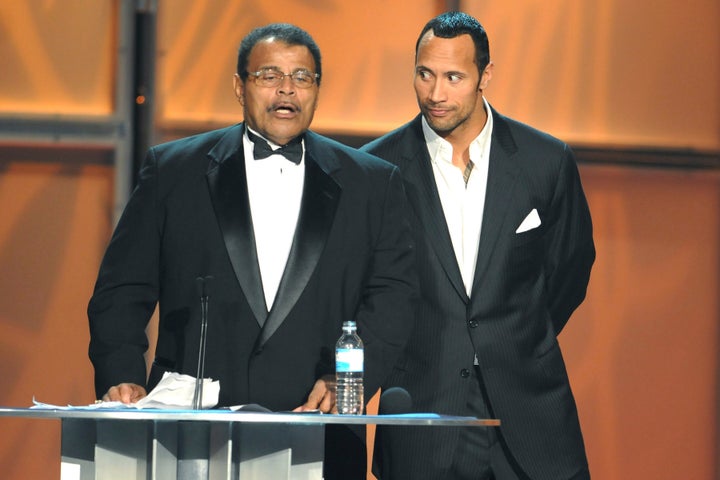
454, 78
301, 78
423, 74
270, 76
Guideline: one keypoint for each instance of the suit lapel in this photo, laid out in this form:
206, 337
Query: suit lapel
321, 195
227, 183
502, 175
422, 191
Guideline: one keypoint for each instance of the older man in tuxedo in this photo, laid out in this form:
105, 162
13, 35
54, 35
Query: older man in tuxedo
299, 233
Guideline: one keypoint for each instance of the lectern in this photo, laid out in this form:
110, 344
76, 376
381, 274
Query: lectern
133, 444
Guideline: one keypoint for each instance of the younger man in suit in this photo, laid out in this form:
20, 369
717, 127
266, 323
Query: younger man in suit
504, 250
299, 232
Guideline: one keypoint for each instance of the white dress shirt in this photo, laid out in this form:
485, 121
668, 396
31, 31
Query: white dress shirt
275, 187
463, 205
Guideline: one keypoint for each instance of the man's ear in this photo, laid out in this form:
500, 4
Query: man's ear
486, 76
239, 88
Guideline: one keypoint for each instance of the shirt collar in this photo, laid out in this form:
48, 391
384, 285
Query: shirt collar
272, 144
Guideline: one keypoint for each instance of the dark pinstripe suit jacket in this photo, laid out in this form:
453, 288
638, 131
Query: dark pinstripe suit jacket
526, 286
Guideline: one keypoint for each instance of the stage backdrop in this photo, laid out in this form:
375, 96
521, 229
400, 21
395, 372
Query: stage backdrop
613, 72
642, 351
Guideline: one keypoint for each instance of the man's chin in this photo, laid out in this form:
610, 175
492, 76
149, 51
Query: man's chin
440, 127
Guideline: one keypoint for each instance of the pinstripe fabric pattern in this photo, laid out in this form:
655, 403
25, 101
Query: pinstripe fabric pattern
526, 286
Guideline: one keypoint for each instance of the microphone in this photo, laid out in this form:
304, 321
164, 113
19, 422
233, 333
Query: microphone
394, 401
203, 287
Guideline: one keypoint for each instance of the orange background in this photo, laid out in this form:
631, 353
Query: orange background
642, 351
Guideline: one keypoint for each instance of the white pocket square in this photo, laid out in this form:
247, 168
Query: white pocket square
530, 222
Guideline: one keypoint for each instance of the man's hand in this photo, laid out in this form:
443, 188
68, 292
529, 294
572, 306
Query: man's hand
125, 393
322, 397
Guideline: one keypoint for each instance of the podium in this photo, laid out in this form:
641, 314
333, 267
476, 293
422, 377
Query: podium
130, 444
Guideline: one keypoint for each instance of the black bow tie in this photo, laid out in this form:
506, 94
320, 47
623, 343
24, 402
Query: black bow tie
292, 151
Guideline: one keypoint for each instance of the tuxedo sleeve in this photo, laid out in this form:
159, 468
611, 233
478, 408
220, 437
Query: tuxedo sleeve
571, 251
386, 314
126, 290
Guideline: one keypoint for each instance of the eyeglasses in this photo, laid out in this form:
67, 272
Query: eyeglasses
272, 77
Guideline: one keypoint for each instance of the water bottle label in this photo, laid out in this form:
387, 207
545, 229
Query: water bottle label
348, 360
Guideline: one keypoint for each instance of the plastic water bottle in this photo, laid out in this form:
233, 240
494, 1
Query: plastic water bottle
349, 371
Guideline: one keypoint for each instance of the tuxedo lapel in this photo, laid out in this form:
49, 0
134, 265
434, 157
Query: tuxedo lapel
227, 183
502, 176
422, 192
321, 195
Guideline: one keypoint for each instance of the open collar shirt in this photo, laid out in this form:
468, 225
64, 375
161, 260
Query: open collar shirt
462, 204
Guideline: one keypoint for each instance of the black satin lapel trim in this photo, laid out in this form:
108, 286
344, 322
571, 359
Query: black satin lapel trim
422, 191
321, 195
502, 178
228, 189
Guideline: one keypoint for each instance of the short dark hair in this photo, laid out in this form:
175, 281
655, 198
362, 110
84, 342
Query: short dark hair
454, 24
284, 32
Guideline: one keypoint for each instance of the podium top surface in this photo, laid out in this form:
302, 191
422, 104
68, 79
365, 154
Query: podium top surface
224, 416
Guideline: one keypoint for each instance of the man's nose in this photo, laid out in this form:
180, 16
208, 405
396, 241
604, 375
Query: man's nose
437, 92
286, 87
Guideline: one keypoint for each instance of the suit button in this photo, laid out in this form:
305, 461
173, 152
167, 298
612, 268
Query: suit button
464, 373
473, 323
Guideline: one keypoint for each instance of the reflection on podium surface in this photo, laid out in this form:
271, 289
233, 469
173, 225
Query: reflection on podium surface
204, 444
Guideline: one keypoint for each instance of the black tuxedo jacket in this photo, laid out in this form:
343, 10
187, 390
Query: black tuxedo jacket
189, 216
526, 285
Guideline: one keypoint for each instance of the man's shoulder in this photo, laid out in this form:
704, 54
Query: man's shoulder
536, 153
189, 157
401, 136
327, 148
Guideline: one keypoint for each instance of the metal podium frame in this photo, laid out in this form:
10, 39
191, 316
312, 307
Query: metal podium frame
129, 444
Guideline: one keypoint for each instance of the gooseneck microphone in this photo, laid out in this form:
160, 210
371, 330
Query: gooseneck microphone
394, 401
203, 287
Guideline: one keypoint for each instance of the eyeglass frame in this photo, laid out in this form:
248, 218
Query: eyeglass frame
314, 77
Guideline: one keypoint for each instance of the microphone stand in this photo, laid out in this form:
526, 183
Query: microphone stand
203, 287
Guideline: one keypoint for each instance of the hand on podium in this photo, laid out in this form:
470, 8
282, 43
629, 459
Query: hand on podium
125, 393
174, 391
321, 398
